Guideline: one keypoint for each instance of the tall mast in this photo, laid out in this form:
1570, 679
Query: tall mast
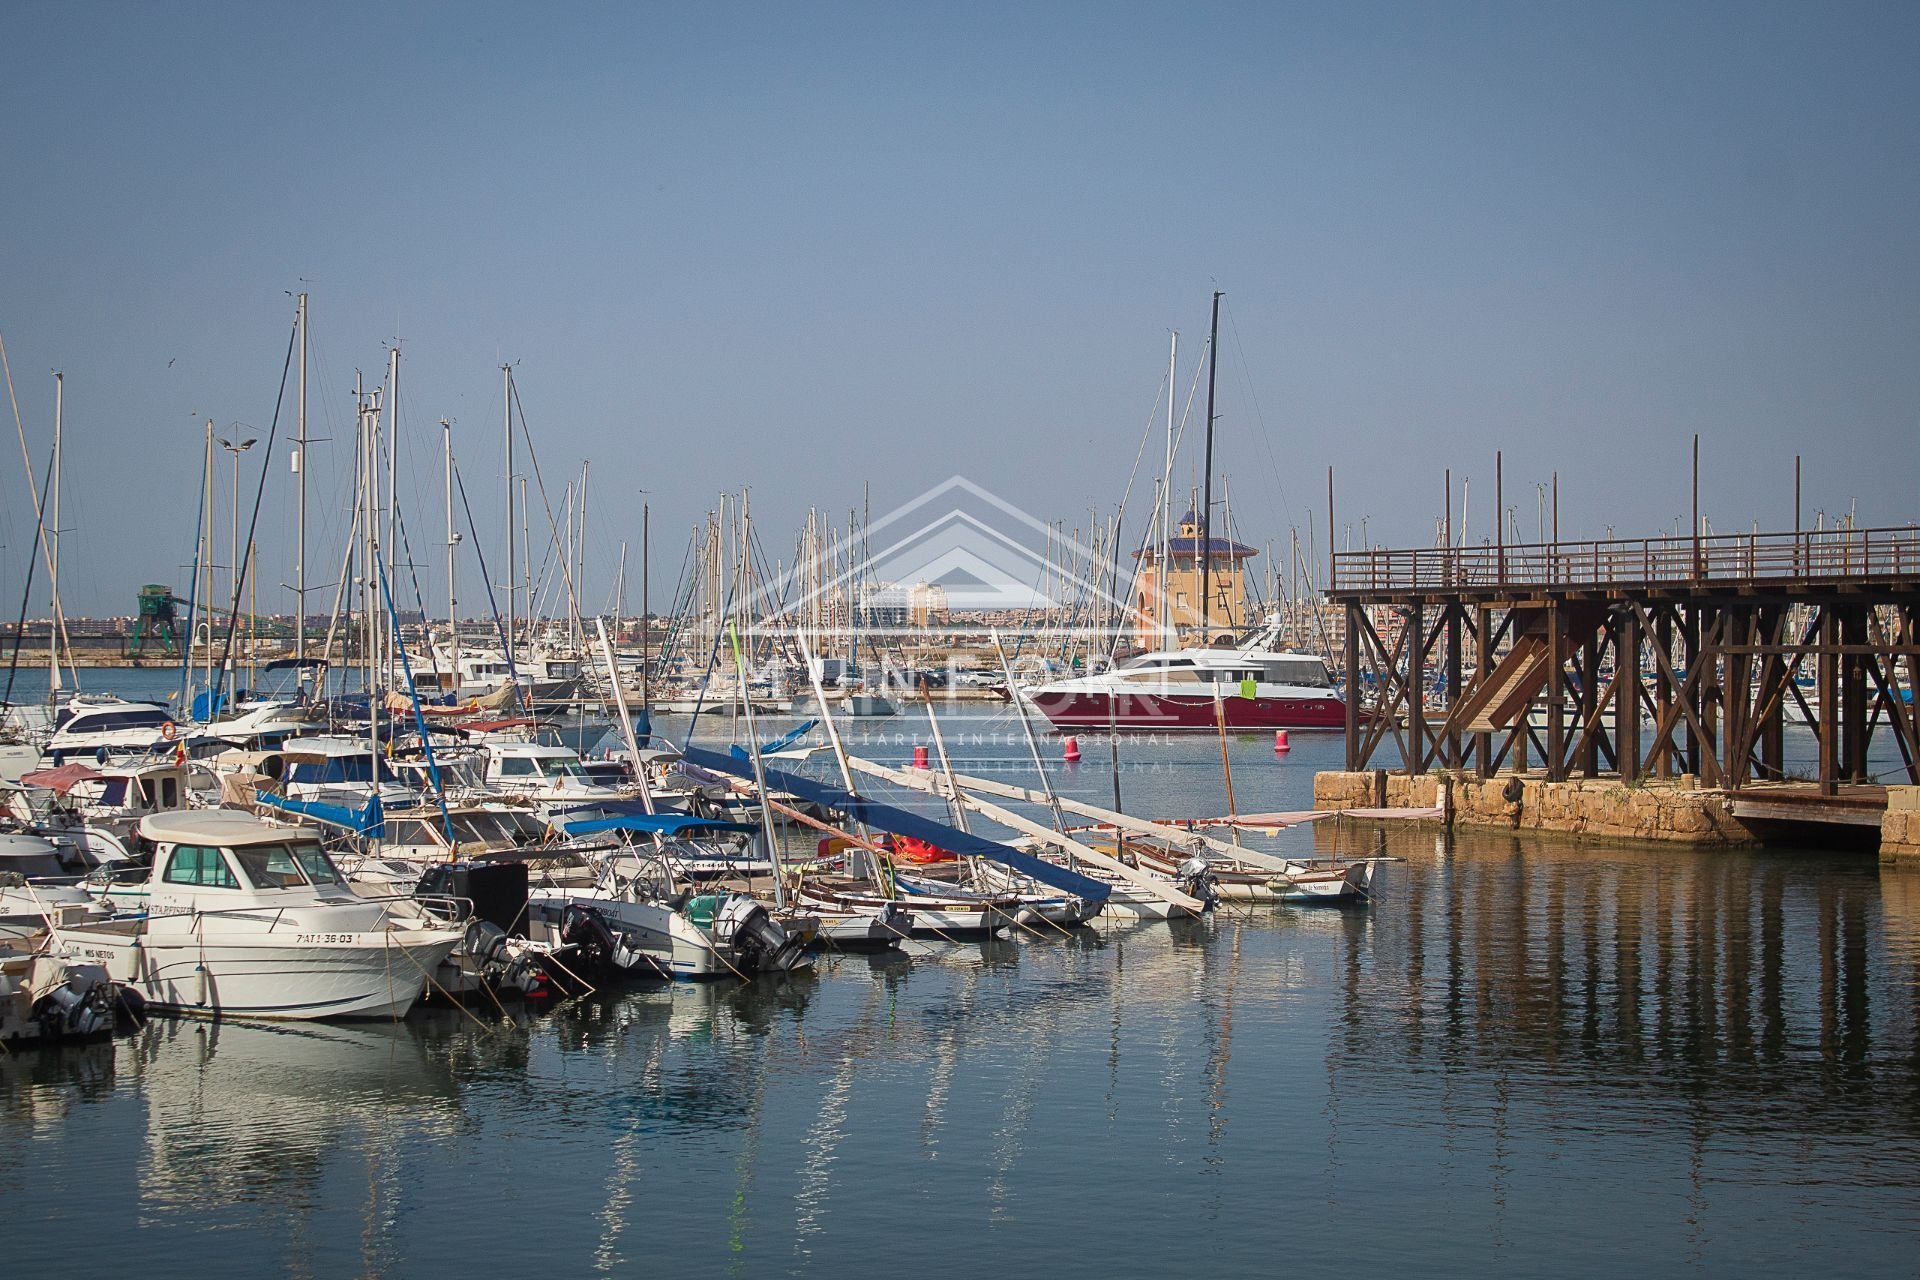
1206, 503
1164, 617
646, 621
300, 526
206, 561
580, 561
388, 636
513, 573
53, 538
453, 542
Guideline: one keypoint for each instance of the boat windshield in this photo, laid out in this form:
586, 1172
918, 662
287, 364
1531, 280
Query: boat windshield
286, 866
562, 767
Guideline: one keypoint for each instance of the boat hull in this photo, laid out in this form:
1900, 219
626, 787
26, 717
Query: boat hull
1158, 712
346, 975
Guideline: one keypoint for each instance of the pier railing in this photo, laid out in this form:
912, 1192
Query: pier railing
1745, 558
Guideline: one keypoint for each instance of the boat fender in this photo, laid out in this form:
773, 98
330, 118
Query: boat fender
1513, 790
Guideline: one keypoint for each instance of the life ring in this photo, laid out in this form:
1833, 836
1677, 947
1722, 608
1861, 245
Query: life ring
169, 731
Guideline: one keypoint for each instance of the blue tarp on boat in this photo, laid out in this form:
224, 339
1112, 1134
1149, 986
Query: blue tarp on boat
365, 820
901, 822
665, 824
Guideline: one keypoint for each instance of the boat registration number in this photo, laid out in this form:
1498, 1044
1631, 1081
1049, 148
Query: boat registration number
324, 937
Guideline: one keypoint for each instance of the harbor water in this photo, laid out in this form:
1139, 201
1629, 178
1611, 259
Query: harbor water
1525, 1056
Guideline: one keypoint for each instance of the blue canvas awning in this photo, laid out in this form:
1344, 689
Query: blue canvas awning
365, 820
902, 822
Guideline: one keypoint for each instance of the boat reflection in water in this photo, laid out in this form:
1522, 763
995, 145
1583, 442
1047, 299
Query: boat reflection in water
1573, 1054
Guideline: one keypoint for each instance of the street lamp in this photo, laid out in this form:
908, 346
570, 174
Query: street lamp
236, 449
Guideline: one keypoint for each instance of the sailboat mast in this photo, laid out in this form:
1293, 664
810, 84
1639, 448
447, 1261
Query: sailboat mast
300, 522
580, 557
453, 542
1164, 617
1206, 502
206, 559
53, 538
506, 416
390, 642
646, 618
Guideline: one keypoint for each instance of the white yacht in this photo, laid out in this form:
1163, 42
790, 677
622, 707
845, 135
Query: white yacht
246, 919
90, 722
1252, 686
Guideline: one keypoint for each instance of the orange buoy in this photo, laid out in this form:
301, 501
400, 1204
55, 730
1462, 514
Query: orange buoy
919, 757
1280, 740
1070, 750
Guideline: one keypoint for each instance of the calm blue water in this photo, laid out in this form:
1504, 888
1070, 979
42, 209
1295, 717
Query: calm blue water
1524, 1057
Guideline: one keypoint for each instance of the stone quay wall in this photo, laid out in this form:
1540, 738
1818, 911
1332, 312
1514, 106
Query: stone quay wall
1680, 811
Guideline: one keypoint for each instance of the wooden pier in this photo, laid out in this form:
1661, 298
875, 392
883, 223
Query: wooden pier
1638, 659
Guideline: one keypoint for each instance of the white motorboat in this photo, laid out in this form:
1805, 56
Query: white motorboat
90, 723
1253, 686
38, 889
684, 935
246, 919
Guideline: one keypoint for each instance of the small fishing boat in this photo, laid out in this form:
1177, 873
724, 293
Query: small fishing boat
246, 919
47, 995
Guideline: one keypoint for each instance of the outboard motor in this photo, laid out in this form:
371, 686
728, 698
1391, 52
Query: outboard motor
750, 939
1195, 879
76, 1001
586, 928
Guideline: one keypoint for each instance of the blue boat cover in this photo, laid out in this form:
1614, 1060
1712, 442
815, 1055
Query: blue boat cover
902, 822
666, 824
786, 740
364, 821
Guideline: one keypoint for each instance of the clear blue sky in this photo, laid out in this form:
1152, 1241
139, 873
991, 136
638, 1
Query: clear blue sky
798, 247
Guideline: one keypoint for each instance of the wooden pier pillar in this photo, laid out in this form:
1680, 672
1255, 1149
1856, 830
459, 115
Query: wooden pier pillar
1626, 694
1416, 689
1853, 693
1556, 692
1455, 616
1663, 692
1482, 670
1350, 648
1828, 665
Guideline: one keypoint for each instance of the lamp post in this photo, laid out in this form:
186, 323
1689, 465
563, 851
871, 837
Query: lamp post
236, 449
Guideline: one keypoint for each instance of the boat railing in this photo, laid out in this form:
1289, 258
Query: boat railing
1744, 558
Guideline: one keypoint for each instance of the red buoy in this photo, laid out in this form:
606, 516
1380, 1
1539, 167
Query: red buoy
1070, 750
1280, 740
919, 757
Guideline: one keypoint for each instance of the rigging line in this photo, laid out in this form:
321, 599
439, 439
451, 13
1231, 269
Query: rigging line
1152, 416
553, 526
669, 641
413, 572
253, 521
1259, 418
59, 619
193, 592
493, 604
26, 597
1193, 393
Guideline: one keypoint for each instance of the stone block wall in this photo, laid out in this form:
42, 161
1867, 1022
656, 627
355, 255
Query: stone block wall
1680, 812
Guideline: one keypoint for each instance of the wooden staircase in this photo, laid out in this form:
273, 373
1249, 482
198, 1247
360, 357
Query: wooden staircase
1496, 702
